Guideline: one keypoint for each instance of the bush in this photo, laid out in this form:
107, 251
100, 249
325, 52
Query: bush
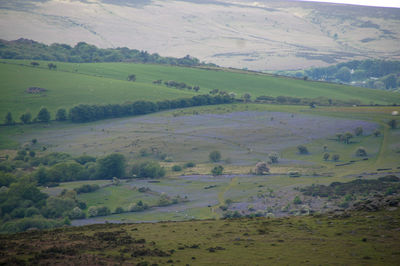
149, 169
119, 210
43, 115
261, 168
361, 152
98, 211
189, 164
326, 156
358, 131
111, 166
137, 207
393, 124
336, 157
87, 188
215, 156
77, 213
377, 133
61, 115
302, 149
217, 170
176, 168
297, 200
273, 157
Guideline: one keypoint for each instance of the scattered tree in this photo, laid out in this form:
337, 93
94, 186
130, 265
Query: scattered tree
52, 66
346, 137
176, 168
149, 169
393, 124
26, 118
326, 156
336, 157
43, 115
262, 168
339, 137
325, 147
297, 200
9, 119
358, 131
215, 156
302, 149
34, 64
132, 77
217, 170
377, 133
361, 152
112, 165
273, 157
246, 97
61, 115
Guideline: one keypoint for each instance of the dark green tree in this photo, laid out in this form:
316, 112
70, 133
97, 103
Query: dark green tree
132, 77
112, 165
358, 131
61, 115
215, 156
43, 115
26, 118
217, 170
392, 123
9, 119
344, 74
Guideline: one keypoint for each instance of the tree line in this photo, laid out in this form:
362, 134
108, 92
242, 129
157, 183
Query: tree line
86, 53
92, 112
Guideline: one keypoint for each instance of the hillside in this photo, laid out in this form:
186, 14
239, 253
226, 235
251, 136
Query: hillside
359, 238
106, 83
262, 35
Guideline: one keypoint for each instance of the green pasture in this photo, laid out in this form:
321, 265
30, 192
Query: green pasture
66, 89
104, 83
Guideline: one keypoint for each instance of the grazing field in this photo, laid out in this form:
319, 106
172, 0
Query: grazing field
244, 134
106, 83
359, 238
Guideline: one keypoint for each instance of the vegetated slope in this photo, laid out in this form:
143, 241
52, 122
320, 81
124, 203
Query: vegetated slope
104, 83
66, 89
262, 35
377, 74
356, 238
85, 53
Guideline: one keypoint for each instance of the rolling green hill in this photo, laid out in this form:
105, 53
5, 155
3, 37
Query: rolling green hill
104, 83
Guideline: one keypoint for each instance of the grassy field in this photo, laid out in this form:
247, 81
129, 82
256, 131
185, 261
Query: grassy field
359, 239
245, 134
104, 83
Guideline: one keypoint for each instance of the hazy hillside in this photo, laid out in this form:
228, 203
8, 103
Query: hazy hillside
263, 35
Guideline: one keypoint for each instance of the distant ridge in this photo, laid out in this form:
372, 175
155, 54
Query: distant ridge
86, 53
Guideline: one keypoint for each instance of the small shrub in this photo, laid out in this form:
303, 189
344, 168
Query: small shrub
215, 156
393, 124
336, 157
261, 168
77, 213
361, 152
377, 133
358, 131
119, 210
302, 149
217, 170
273, 157
176, 168
297, 200
190, 164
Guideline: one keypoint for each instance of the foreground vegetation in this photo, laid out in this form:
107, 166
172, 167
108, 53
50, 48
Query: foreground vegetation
349, 238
